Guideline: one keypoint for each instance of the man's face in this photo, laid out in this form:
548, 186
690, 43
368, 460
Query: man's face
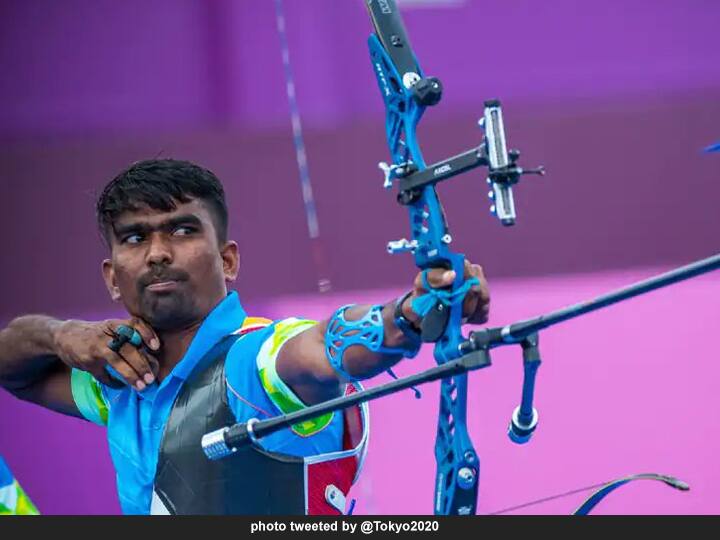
167, 267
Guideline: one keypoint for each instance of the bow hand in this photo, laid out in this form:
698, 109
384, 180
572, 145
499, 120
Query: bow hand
476, 304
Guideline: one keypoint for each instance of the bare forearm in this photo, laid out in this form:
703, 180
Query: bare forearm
27, 351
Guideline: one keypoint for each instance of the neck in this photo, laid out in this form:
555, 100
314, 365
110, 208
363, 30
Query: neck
175, 344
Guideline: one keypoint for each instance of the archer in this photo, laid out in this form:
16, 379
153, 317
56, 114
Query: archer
188, 359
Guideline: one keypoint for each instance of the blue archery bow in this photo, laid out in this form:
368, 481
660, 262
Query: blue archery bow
407, 92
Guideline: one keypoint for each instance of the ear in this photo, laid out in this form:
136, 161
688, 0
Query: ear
109, 276
231, 260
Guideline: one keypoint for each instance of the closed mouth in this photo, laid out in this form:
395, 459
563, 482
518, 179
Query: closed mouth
163, 285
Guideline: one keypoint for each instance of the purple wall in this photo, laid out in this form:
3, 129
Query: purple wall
616, 101
100, 66
627, 186
624, 390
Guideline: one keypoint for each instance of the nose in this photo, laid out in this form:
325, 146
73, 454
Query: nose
159, 251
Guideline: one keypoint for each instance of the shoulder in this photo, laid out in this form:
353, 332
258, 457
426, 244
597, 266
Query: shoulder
267, 336
252, 324
250, 364
283, 331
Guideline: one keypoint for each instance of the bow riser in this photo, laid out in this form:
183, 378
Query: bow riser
458, 465
429, 231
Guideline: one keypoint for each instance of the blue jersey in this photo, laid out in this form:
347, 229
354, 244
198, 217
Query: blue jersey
135, 420
13, 499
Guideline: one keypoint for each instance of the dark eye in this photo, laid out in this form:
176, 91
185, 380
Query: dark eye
132, 239
183, 230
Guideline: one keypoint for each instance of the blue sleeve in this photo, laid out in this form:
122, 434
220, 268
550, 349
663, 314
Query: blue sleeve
13, 499
256, 391
6, 477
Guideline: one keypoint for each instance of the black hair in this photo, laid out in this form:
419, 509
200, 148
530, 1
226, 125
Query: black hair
161, 184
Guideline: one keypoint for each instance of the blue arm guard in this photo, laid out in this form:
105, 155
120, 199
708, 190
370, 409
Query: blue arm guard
368, 331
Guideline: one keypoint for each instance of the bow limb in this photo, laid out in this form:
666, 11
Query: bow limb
593, 500
602, 490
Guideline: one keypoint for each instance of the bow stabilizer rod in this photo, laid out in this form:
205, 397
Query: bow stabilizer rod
524, 419
518, 331
475, 354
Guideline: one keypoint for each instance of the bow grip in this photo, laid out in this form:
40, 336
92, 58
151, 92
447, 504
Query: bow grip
434, 322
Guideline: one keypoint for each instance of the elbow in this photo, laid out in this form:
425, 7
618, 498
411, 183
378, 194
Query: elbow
20, 389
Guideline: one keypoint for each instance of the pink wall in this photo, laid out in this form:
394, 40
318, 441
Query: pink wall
107, 67
616, 100
625, 390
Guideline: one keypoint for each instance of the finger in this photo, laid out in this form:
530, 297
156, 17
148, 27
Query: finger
477, 303
468, 269
143, 364
439, 277
418, 282
153, 361
125, 369
139, 358
470, 305
149, 337
481, 314
482, 287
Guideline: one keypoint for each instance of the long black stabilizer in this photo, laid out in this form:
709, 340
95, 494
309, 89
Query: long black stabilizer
516, 332
475, 353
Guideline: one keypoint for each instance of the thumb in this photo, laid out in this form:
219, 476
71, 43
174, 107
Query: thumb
440, 277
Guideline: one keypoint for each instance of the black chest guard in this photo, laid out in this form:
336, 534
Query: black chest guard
252, 481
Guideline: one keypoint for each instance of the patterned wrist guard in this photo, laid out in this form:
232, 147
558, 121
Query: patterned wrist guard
368, 332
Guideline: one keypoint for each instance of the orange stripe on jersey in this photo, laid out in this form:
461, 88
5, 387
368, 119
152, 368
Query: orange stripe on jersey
252, 323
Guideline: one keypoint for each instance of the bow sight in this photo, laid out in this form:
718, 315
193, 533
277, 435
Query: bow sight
503, 171
401, 80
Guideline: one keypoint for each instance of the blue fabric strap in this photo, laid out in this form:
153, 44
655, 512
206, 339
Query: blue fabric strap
422, 304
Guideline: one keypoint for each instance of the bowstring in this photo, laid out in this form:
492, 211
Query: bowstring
316, 246
548, 498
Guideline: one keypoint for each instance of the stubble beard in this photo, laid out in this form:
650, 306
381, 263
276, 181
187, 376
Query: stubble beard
167, 312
